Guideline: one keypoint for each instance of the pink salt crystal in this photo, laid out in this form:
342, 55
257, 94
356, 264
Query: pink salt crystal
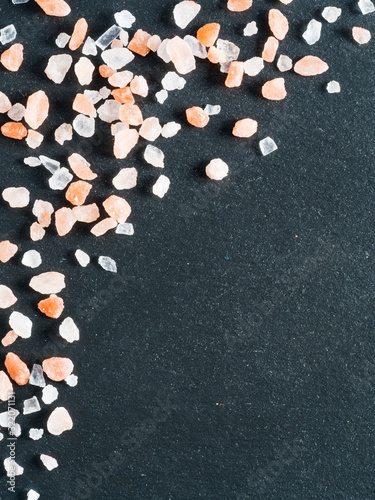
48, 283
83, 104
154, 43
120, 79
37, 109
7, 297
16, 197
217, 169
87, 213
84, 70
37, 233
64, 133
125, 141
245, 128
361, 35
64, 220
235, 74
310, 66
59, 421
125, 179
34, 139
6, 387
43, 211
270, 49
5, 104
9, 338
150, 129
139, 86
278, 23
81, 167
117, 44
7, 251
181, 55
117, 208
103, 226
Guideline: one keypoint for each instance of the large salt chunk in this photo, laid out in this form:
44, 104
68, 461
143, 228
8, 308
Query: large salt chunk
173, 81
184, 12
17, 112
161, 186
217, 169
267, 146
37, 377
31, 406
64, 133
212, 109
107, 263
60, 179
82, 257
20, 324
84, 70
7, 298
59, 421
228, 49
31, 161
313, 32
150, 129
8, 34
253, 66
117, 58
68, 330
125, 19
162, 51
107, 37
126, 179
58, 66
5, 104
154, 156
331, 14
366, 6
125, 141
84, 126
181, 55
16, 197
32, 258
48, 283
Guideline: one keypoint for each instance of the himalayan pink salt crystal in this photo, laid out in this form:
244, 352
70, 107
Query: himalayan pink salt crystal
7, 298
217, 169
43, 210
117, 44
123, 96
7, 251
64, 133
84, 70
86, 213
274, 90
184, 12
125, 141
58, 66
12, 58
48, 283
120, 79
58, 8
170, 129
14, 130
154, 156
161, 186
117, 208
103, 226
77, 192
154, 42
5, 104
139, 86
312, 32
37, 109
138, 43
64, 220
57, 369
9, 338
81, 167
270, 49
59, 421
37, 232
208, 34
34, 139
235, 74
253, 66
84, 105
17, 369
361, 35
52, 307
278, 24
197, 117
49, 462
79, 34
6, 387
16, 197
125, 179
181, 55
239, 5
150, 129
310, 66
131, 114
333, 87
68, 330
245, 128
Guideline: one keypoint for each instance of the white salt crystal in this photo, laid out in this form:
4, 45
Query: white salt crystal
198, 49
107, 37
117, 127
154, 156
313, 32
117, 58
31, 161
31, 406
17, 112
366, 6
4, 417
126, 179
161, 186
121, 79
228, 49
84, 125
250, 29
94, 95
109, 111
12, 468
47, 283
36, 434
84, 70
173, 81
139, 86
71, 380
60, 179
1, 436
89, 47
154, 42
62, 40
170, 129
16, 197
64, 133
7, 297
162, 51
108, 264
8, 34
32, 259
82, 258
49, 463
37, 377
253, 66
331, 14
105, 92
68, 330
217, 169
58, 66
50, 164
150, 129
20, 324
125, 19
333, 87
284, 63
161, 96
32, 495
267, 146
212, 110
49, 394
124, 37
184, 12
181, 55
127, 228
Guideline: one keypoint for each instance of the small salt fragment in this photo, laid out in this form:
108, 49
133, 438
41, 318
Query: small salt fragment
103, 227
154, 156
43, 210
117, 58
82, 258
105, 92
18, 2
181, 55
161, 186
124, 39
31, 406
4, 416
107, 37
313, 32
8, 340
32, 495
12, 468
154, 43
150, 129
333, 87
32, 259
331, 14
184, 12
89, 47
361, 35
31, 161
20, 324
7, 250
127, 229
84, 125
50, 164
125, 179
267, 146
117, 127
37, 377
250, 29
170, 129
62, 40
8, 34
49, 394
197, 48
48, 283
212, 110
7, 298
37, 232
109, 111
5, 104
162, 51
17, 112
49, 463
107, 263
16, 197
68, 330
161, 96
139, 86
173, 81
125, 141
366, 6
253, 66
284, 63
84, 70
310, 66
64, 133
71, 380
229, 50
58, 66
217, 169
121, 79
245, 128
61, 178
125, 19
94, 95
36, 434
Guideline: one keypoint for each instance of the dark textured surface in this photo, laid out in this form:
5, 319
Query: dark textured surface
233, 357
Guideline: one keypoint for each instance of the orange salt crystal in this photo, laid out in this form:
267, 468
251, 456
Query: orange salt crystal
216, 56
57, 369
58, 8
270, 48
17, 369
117, 208
84, 105
79, 34
197, 117
12, 58
9, 338
124, 95
239, 5
87, 213
77, 192
14, 130
64, 220
131, 114
34, 139
138, 43
7, 250
37, 232
245, 128
105, 71
37, 109
310, 66
117, 44
208, 34
81, 167
6, 387
278, 23
235, 74
52, 307
103, 226
274, 90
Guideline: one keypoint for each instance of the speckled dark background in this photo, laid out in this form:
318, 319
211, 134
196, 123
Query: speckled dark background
233, 356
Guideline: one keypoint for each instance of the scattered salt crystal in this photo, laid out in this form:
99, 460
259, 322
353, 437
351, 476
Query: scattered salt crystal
43, 211
84, 70
62, 40
50, 164
126, 179
34, 139
267, 146
124, 38
125, 141
16, 197
154, 156
125, 19
150, 129
109, 111
253, 66
32, 495
217, 169
5, 104
139, 86
58, 66
184, 12
12, 468
181, 55
366, 6
162, 51
49, 394
82, 258
17, 112
37, 377
37, 232
313, 32
212, 110
331, 14
105, 92
31, 161
173, 81
154, 42
64, 133
36, 434
250, 29
7, 298
107, 38
161, 186
284, 63
31, 406
61, 178
107, 263
20, 324
117, 58
17, 2
121, 79
161, 96
4, 416
8, 34
198, 49
127, 228
84, 125
170, 129
48, 283
89, 47
333, 87
361, 35
32, 259
117, 127
72, 380
49, 463
94, 95
229, 50
68, 330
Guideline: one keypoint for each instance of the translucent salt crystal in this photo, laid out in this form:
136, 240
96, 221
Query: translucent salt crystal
161, 96
7, 298
139, 86
366, 6
36, 434
108, 264
170, 129
34, 139
154, 156
37, 377
82, 258
8, 34
60, 179
212, 110
107, 37
250, 29
17, 2
16, 197
4, 416
124, 38
313, 32
126, 179
84, 125
68, 330
62, 40
84, 70
162, 51
12, 468
284, 63
333, 87
64, 133
331, 14
150, 129
181, 55
198, 49
31, 161
173, 81
58, 66
117, 58
253, 66
105, 92
127, 229
267, 146
32, 259
229, 50
161, 186
50, 164
125, 19
32, 495
89, 47
154, 42
217, 169
49, 394
109, 111
31, 406
49, 463
184, 12
71, 380
20, 324
48, 283
94, 95
17, 112
117, 127
121, 79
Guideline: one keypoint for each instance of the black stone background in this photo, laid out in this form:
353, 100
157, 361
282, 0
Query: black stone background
234, 352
